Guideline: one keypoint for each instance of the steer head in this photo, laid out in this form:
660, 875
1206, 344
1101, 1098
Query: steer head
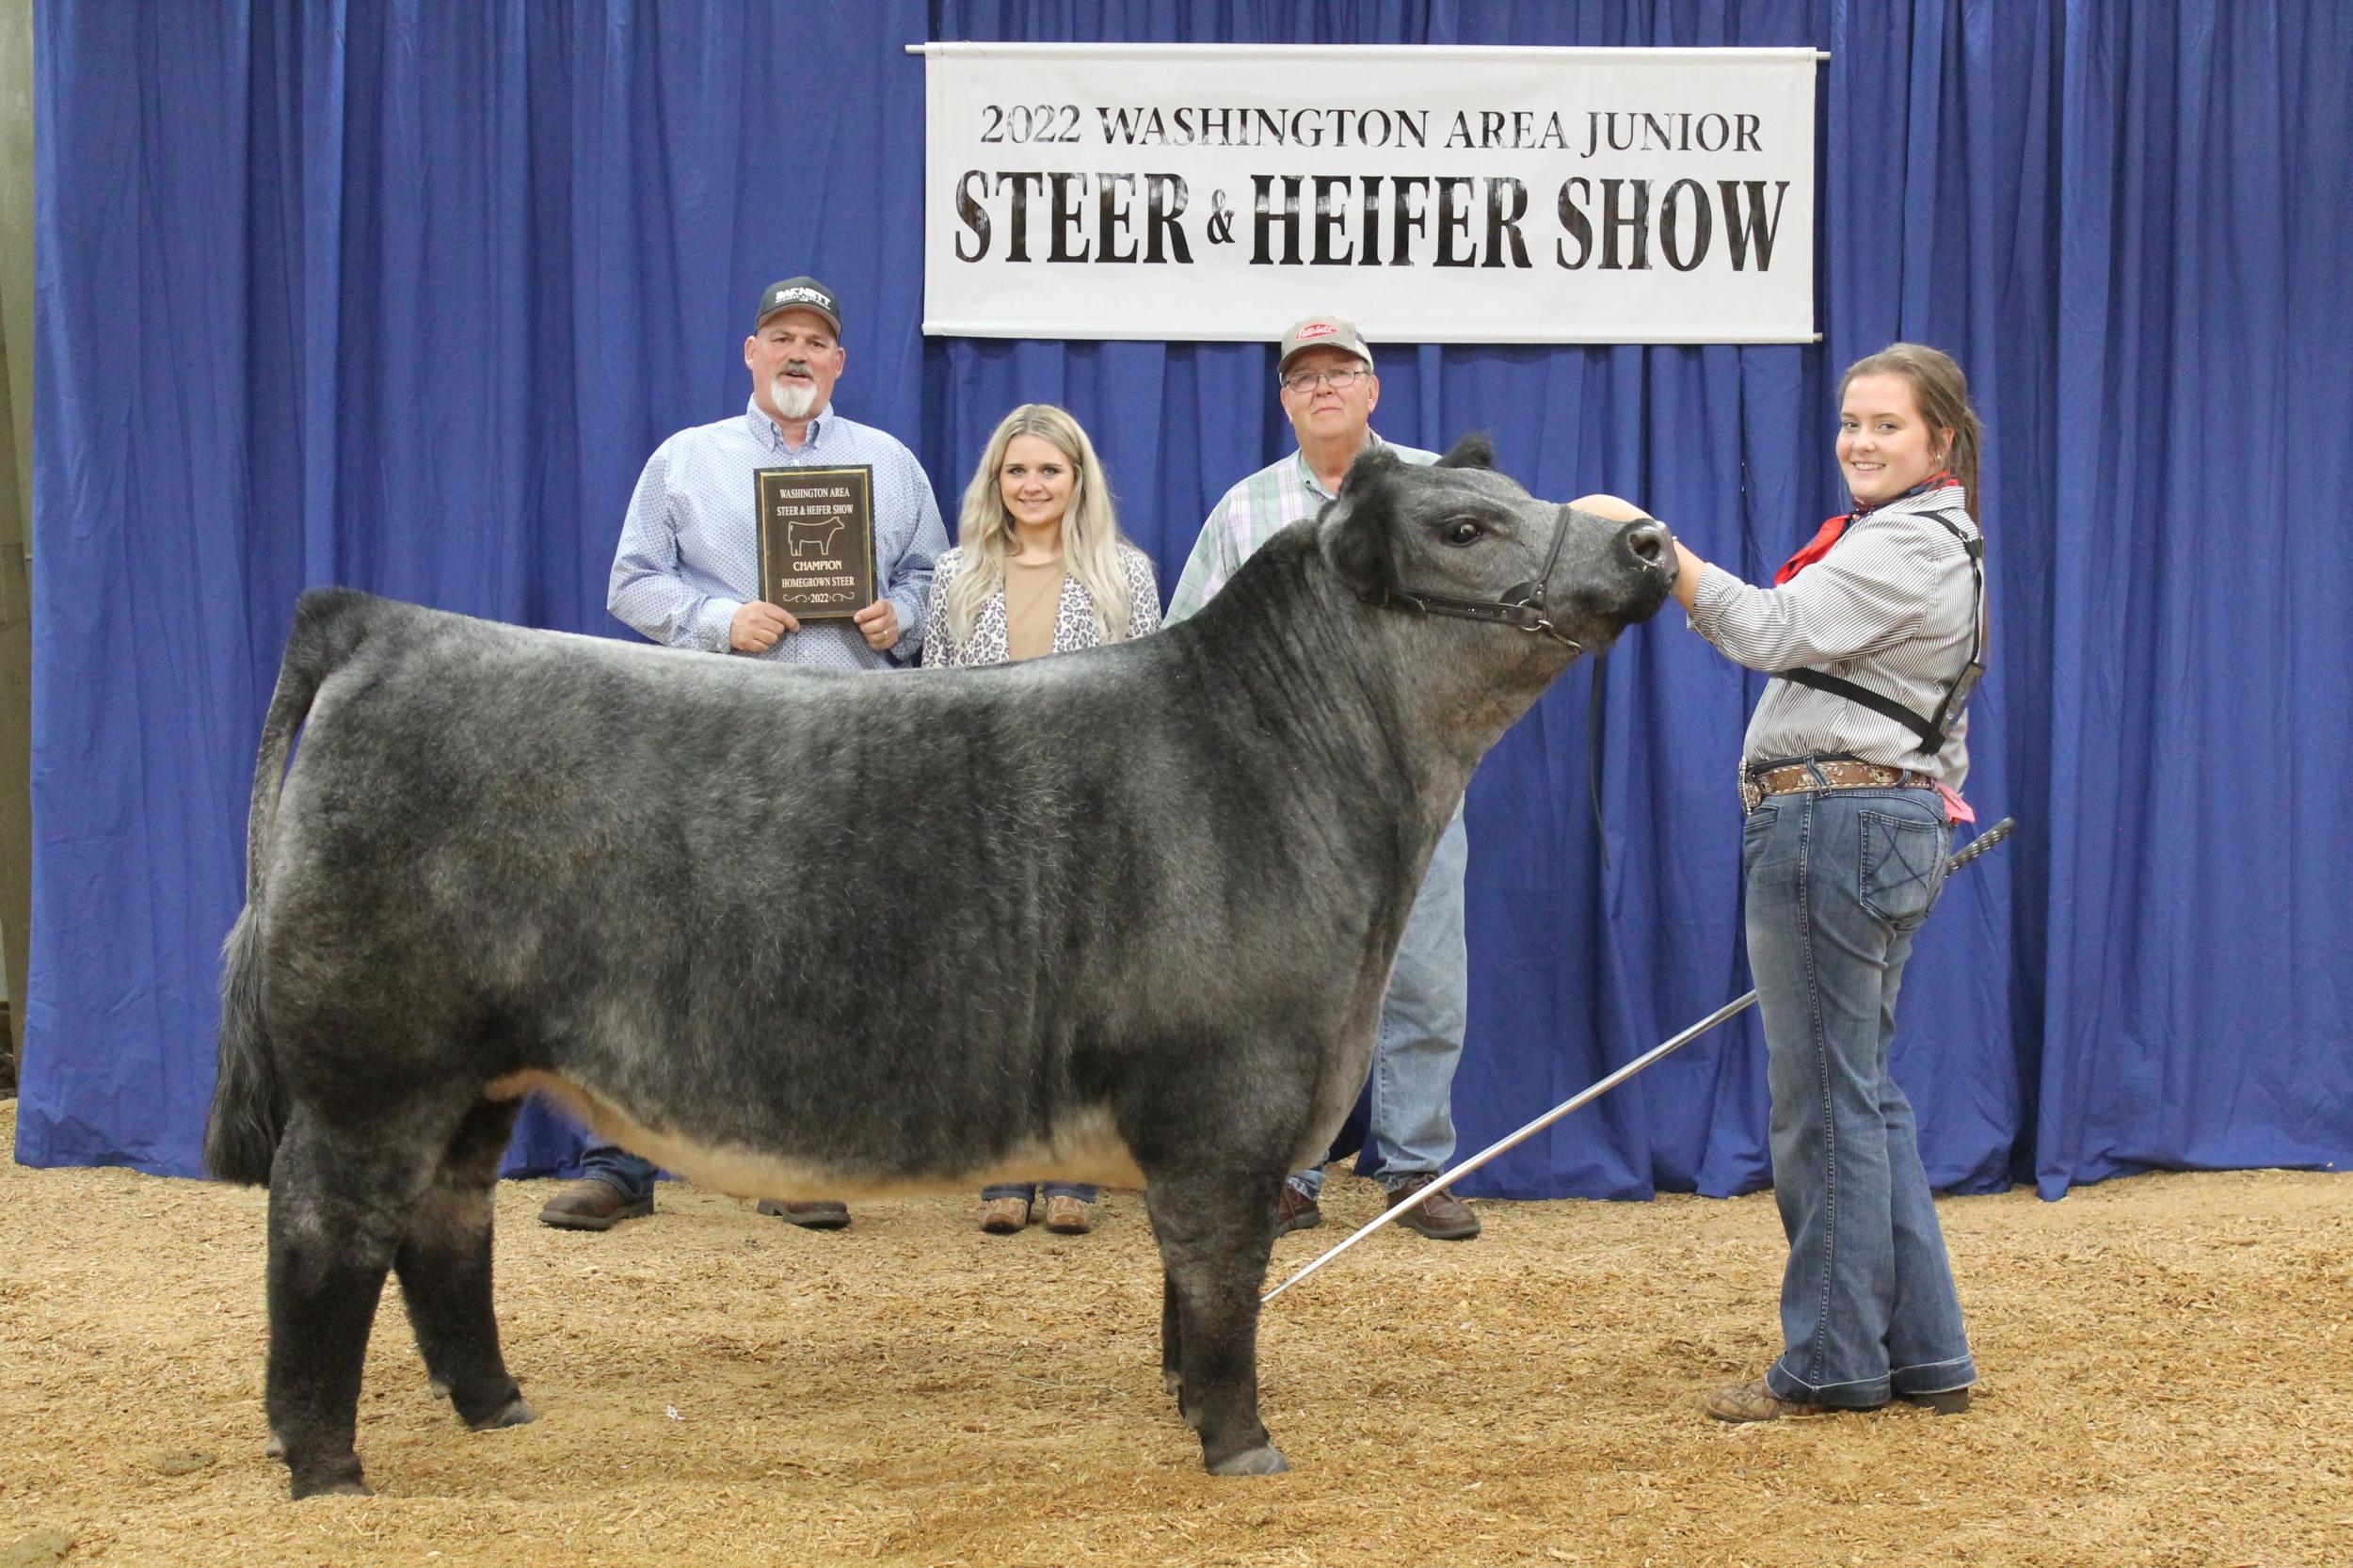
1461, 542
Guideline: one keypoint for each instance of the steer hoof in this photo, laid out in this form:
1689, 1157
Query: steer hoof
1265, 1460
335, 1489
516, 1413
341, 1484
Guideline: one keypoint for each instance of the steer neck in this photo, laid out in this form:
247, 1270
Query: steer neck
1359, 693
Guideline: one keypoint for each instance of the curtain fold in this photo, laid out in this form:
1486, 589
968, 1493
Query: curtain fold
400, 293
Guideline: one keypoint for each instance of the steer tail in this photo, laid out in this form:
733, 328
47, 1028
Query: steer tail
249, 1112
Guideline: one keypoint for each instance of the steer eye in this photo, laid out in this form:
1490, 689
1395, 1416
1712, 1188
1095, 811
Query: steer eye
1462, 530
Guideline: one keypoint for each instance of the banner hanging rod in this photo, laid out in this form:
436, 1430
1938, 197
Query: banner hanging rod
1821, 55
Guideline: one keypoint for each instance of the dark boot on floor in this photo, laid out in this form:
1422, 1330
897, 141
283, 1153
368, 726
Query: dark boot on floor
1949, 1402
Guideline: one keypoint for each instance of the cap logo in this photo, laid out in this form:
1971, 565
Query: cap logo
804, 297
1316, 330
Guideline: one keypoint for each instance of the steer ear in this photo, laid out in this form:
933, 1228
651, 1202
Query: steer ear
1473, 451
1358, 537
1371, 466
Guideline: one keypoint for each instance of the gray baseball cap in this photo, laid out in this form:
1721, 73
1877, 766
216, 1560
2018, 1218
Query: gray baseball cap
798, 294
1322, 332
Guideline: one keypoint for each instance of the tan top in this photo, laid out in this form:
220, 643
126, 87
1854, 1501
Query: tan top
1032, 593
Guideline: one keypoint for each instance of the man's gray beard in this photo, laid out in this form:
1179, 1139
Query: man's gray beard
795, 399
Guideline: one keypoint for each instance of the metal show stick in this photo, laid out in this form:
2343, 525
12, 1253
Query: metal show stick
1976, 847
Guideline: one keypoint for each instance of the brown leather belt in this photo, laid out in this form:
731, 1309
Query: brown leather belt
1792, 777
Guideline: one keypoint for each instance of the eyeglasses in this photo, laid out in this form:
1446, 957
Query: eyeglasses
1338, 380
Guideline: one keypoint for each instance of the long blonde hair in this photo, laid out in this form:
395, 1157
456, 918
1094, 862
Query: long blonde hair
1090, 527
1942, 392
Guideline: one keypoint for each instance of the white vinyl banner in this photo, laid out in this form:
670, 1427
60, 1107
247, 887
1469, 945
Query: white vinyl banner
1435, 195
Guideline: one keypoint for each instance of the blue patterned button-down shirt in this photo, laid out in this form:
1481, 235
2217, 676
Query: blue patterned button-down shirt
689, 556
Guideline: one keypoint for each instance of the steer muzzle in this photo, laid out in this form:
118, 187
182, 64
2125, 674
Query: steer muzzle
1649, 544
1637, 571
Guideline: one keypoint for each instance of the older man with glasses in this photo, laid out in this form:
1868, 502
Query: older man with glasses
1329, 390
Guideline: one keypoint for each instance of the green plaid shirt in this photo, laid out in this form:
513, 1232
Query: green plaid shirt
1252, 513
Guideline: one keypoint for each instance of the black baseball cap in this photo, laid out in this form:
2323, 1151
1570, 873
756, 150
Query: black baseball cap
798, 294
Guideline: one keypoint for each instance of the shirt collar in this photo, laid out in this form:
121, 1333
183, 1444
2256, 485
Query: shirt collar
1928, 495
1307, 469
766, 431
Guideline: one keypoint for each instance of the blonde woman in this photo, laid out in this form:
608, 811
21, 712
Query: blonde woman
1039, 567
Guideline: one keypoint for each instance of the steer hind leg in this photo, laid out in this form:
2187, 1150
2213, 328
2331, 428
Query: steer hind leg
1215, 1233
338, 1202
443, 1262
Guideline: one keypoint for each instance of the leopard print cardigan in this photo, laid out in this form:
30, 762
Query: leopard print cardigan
1074, 617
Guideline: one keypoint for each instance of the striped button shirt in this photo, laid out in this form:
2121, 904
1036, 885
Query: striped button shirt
1889, 608
1252, 513
689, 556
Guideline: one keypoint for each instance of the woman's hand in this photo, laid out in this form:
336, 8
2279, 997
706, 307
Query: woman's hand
1618, 509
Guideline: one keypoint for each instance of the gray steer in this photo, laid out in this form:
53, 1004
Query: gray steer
1123, 916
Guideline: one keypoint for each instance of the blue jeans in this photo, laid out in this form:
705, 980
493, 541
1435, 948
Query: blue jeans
1839, 881
1422, 1017
618, 1168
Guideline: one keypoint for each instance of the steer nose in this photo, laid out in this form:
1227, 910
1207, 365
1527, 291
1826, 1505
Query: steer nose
1649, 540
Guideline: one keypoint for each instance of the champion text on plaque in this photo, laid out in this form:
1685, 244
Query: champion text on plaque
817, 540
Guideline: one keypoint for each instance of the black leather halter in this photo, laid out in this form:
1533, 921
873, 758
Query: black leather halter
1523, 606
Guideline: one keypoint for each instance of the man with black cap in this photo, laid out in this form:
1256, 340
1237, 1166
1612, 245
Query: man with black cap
687, 575
1329, 389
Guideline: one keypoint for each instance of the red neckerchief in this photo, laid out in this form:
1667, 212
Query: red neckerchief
1828, 535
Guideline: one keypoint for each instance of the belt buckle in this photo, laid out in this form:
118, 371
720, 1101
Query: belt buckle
1751, 794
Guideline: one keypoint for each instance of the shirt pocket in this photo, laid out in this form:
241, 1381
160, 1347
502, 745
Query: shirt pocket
1903, 861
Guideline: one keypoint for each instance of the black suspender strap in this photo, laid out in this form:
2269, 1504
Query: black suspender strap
1931, 734
1929, 730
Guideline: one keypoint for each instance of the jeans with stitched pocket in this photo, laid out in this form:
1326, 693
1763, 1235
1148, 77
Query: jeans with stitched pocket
1839, 882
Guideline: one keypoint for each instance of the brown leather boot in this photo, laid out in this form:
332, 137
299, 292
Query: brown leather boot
1004, 1216
1295, 1210
1752, 1402
592, 1205
1068, 1216
1443, 1218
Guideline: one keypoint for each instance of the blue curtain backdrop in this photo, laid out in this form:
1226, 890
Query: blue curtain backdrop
401, 295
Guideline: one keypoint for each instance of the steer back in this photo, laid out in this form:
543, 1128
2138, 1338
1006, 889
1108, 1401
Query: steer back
1122, 916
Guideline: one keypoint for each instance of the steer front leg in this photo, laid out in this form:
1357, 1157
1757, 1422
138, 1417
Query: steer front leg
1215, 1234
